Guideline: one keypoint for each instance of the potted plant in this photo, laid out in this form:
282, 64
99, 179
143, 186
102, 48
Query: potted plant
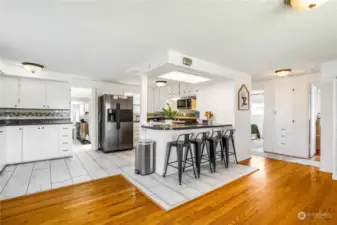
169, 114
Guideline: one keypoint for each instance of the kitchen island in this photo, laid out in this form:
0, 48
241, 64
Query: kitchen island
163, 134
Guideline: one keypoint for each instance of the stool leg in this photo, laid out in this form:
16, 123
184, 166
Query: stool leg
209, 157
236, 160
180, 162
213, 151
197, 148
227, 152
185, 159
168, 153
190, 150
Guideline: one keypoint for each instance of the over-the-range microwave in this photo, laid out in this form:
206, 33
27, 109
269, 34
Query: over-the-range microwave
185, 103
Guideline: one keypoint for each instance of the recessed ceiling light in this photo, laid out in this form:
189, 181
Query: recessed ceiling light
184, 77
32, 67
304, 4
282, 72
161, 83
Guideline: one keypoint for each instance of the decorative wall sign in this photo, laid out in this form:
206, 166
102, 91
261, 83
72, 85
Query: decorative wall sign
243, 98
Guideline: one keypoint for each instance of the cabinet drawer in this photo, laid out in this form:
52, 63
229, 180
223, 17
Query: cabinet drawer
65, 130
65, 148
286, 129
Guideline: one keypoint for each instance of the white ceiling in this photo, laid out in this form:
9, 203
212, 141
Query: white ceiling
104, 38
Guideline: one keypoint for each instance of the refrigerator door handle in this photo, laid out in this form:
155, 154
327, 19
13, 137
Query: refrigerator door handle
118, 116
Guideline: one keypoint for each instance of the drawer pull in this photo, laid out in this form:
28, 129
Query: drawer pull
283, 129
64, 150
283, 136
282, 143
1, 131
64, 128
65, 136
65, 143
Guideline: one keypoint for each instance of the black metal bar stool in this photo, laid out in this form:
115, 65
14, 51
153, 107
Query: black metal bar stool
180, 145
199, 143
214, 140
229, 137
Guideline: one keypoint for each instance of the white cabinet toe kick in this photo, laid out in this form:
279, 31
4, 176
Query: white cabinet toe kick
19, 144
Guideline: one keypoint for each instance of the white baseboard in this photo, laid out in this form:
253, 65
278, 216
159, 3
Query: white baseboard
334, 176
325, 170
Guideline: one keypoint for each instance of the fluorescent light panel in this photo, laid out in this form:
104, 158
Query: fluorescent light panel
184, 77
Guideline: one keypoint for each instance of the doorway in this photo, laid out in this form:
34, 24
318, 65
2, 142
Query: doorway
80, 118
315, 122
257, 120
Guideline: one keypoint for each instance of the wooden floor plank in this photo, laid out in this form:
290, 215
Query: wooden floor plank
273, 195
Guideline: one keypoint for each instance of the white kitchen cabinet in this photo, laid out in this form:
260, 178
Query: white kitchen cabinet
9, 92
50, 141
65, 140
284, 118
13, 143
57, 95
2, 148
32, 94
32, 143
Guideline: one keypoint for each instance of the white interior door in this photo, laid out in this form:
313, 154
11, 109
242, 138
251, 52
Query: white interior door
313, 113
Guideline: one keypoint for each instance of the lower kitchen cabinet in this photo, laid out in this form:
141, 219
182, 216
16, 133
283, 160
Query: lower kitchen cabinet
32, 143
50, 141
13, 144
2, 148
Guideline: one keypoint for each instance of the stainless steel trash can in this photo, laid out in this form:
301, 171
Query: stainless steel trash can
145, 157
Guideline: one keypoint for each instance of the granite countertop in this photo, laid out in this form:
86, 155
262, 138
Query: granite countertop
184, 127
34, 122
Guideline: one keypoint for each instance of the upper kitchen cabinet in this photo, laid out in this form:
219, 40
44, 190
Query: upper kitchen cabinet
173, 90
9, 92
32, 94
26, 93
57, 95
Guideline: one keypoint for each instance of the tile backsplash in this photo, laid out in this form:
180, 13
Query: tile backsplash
15, 114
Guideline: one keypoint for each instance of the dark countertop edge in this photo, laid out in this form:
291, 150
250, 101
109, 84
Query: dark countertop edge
41, 124
4, 123
187, 127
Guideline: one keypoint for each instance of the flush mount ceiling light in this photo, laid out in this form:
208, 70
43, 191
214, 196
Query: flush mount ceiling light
32, 67
161, 83
282, 72
304, 4
184, 77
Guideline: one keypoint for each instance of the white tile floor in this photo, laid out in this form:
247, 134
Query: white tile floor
257, 149
86, 165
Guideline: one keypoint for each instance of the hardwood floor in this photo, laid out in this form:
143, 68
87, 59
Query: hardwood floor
273, 195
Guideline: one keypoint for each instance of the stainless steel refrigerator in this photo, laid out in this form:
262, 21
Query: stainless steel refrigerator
115, 122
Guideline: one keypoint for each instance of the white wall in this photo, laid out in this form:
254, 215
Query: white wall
221, 99
218, 98
301, 84
328, 117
